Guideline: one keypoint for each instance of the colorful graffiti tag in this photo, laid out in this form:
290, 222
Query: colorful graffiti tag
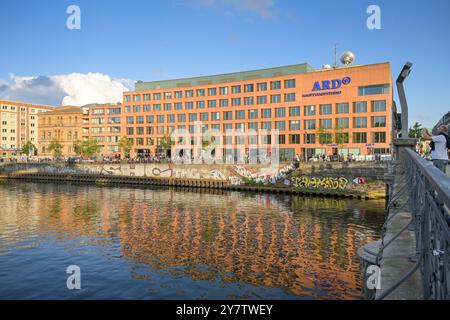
327, 183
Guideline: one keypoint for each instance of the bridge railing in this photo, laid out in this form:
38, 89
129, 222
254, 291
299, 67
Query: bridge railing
430, 203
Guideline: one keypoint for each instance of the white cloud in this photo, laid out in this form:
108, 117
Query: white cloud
66, 89
264, 8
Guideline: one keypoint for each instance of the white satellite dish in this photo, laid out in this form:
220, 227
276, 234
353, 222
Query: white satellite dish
326, 67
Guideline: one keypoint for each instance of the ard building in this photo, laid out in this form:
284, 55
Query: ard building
332, 111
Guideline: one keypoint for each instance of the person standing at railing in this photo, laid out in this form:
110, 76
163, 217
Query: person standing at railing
439, 147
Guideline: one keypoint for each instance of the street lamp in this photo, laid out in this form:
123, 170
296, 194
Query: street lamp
402, 97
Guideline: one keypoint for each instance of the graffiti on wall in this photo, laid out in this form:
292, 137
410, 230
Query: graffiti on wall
326, 183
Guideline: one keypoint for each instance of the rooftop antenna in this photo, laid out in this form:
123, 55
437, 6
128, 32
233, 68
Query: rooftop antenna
335, 56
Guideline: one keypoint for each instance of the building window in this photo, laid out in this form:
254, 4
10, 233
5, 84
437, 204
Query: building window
204, 116
294, 111
189, 93
253, 114
262, 86
150, 119
310, 110
288, 84
294, 139
280, 125
147, 108
160, 119
261, 99
178, 94
275, 98
212, 91
326, 123
170, 118
310, 138
253, 126
379, 106
235, 89
236, 102
200, 92
240, 114
192, 117
289, 97
189, 105
223, 90
342, 108
249, 88
215, 116
325, 109
310, 124
373, 90
167, 106
181, 117
360, 122
200, 104
294, 125
266, 113
212, 103
379, 137
248, 101
360, 137
280, 112
266, 125
227, 115
342, 122
275, 85
379, 122
223, 102
157, 107
130, 120
360, 107
157, 96
178, 106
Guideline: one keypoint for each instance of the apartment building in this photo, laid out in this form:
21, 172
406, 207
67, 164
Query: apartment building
18, 125
102, 122
63, 124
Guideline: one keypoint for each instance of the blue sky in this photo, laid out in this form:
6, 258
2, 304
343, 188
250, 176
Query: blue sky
124, 41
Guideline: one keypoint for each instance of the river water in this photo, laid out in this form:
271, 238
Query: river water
175, 244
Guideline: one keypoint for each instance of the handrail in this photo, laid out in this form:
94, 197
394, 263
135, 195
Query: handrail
438, 180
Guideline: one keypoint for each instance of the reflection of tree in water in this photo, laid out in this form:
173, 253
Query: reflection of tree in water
294, 243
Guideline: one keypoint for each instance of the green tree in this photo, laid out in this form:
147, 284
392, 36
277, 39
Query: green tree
28, 148
324, 135
340, 136
165, 143
125, 146
55, 147
87, 148
416, 131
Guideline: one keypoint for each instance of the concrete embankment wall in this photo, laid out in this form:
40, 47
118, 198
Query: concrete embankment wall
362, 180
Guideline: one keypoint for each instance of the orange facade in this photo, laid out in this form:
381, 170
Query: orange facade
331, 111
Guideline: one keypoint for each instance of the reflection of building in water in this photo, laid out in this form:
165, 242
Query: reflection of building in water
292, 243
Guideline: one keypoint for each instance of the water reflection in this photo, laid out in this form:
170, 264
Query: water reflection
180, 244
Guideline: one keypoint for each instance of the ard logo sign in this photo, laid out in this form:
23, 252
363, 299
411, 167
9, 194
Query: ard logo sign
331, 84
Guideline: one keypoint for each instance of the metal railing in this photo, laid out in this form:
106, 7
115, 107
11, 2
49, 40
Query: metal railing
429, 190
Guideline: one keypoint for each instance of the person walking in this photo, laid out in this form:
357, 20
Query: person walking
439, 145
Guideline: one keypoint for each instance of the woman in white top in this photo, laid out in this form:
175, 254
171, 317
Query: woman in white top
439, 153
